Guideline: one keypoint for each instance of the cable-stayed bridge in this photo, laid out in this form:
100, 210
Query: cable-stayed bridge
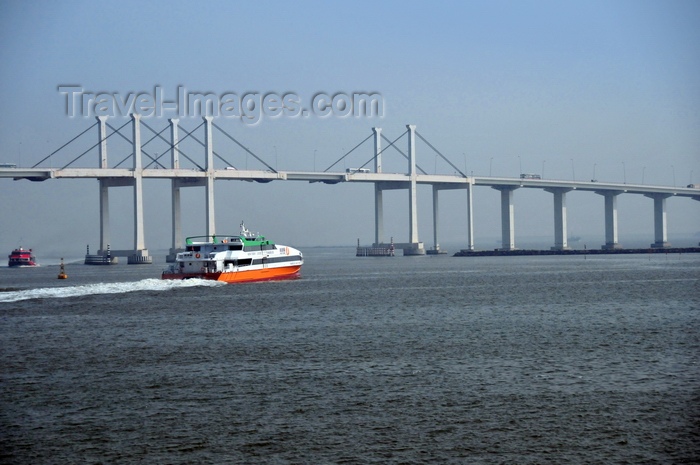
202, 172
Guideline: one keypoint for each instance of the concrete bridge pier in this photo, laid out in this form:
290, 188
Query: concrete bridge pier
436, 244
416, 247
179, 183
378, 192
660, 231
610, 219
470, 215
177, 239
104, 188
209, 186
140, 253
560, 233
507, 217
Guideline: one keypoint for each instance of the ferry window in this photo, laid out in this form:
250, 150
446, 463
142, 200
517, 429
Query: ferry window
235, 247
244, 262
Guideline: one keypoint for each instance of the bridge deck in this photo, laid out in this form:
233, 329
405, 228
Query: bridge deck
388, 180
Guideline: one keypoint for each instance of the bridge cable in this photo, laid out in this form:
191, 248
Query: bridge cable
58, 149
98, 143
181, 152
380, 152
188, 134
391, 144
128, 140
443, 156
170, 145
212, 150
151, 140
352, 150
244, 147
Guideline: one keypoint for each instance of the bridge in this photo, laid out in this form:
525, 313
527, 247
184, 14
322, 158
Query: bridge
204, 175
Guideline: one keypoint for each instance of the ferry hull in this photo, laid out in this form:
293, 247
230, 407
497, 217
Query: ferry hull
264, 274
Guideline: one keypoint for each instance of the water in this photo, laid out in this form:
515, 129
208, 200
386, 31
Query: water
363, 360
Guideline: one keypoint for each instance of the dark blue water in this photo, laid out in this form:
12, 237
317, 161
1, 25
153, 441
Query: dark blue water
363, 360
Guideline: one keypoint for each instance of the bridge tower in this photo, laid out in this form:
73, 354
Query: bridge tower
414, 247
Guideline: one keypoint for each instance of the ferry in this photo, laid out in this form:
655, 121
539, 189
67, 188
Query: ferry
22, 257
245, 257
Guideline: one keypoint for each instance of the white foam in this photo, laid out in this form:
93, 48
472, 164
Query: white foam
105, 288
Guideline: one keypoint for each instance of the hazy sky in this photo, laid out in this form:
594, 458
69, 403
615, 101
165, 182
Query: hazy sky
563, 89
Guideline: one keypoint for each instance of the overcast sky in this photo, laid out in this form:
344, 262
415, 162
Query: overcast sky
609, 89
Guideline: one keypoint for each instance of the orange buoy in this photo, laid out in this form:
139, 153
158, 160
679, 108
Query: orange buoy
62, 272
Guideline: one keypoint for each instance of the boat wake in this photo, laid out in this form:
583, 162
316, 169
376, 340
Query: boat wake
104, 288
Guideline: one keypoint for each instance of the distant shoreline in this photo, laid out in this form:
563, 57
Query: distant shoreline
648, 250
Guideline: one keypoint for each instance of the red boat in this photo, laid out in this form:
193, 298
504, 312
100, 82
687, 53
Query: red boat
22, 257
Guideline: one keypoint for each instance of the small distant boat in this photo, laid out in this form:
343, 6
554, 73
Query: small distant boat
244, 257
62, 272
21, 258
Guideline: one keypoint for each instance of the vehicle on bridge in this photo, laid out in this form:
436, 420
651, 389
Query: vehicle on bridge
530, 176
245, 257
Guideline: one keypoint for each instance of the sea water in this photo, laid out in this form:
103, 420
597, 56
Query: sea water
412, 360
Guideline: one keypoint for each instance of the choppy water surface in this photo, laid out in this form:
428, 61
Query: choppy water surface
392, 360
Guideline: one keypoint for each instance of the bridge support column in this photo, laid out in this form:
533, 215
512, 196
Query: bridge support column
378, 193
177, 240
470, 216
507, 217
104, 216
209, 167
140, 254
660, 231
560, 233
104, 188
610, 219
412, 196
436, 244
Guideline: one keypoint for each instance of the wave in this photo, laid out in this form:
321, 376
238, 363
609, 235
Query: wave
151, 284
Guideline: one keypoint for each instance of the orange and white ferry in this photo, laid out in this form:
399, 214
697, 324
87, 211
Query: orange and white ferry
234, 259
